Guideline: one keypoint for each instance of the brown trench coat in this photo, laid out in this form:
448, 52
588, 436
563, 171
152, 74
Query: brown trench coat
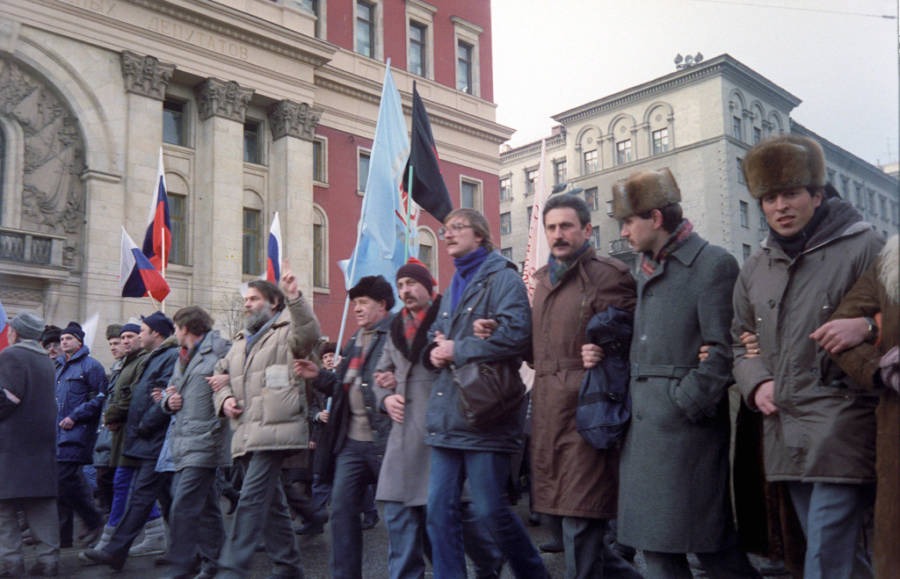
866, 298
569, 477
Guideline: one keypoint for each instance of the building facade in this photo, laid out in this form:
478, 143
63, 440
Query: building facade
698, 121
259, 106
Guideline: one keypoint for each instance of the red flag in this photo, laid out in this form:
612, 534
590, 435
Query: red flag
158, 239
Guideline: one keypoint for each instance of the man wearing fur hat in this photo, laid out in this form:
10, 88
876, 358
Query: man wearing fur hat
673, 491
818, 425
80, 392
360, 430
28, 448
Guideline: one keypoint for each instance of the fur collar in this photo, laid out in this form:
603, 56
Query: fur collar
421, 338
888, 268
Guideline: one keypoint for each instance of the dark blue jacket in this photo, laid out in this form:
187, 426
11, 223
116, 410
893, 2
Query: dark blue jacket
507, 303
145, 429
80, 392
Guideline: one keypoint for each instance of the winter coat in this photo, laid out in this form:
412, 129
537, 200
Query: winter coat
824, 429
570, 477
103, 444
506, 301
673, 488
116, 410
80, 392
404, 470
145, 429
263, 383
869, 296
332, 384
199, 437
27, 429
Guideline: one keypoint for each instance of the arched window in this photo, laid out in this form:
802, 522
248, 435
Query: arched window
252, 246
428, 250
320, 248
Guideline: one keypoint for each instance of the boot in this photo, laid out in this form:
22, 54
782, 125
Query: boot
104, 540
154, 541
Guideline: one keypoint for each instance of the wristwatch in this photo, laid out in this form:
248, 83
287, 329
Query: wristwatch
872, 329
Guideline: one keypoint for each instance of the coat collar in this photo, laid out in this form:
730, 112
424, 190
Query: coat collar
689, 250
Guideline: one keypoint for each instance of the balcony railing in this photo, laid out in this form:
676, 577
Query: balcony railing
619, 246
30, 248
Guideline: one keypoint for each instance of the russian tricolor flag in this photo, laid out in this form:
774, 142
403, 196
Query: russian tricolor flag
274, 254
4, 328
158, 239
138, 277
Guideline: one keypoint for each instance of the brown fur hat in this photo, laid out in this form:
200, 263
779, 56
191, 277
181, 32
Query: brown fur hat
784, 162
643, 191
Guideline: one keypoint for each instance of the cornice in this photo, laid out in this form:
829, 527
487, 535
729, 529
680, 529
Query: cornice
533, 148
723, 65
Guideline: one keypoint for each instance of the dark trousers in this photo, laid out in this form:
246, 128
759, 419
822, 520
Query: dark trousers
74, 497
104, 492
195, 521
729, 563
588, 556
261, 510
141, 498
356, 467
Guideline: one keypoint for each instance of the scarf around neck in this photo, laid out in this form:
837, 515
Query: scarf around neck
466, 267
796, 243
676, 240
558, 268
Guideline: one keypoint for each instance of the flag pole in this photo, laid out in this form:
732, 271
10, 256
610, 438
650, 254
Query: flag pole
408, 202
162, 232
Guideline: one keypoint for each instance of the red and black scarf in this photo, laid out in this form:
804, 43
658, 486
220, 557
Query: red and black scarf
676, 240
410, 333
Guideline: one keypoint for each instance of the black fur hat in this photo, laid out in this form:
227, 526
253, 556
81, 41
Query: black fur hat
375, 287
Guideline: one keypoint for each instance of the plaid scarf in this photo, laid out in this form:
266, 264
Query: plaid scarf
676, 240
185, 355
557, 268
411, 323
357, 355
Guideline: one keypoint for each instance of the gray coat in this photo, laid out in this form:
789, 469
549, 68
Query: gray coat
824, 429
673, 484
27, 429
404, 470
199, 438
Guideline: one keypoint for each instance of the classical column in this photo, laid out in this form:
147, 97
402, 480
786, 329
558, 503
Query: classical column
218, 218
291, 182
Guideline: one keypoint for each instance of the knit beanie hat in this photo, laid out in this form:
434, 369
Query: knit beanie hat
28, 325
416, 270
74, 329
158, 322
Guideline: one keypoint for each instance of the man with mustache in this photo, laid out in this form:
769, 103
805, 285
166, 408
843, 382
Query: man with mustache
818, 424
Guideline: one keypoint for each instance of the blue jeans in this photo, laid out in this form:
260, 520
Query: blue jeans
121, 485
406, 540
831, 516
487, 473
356, 467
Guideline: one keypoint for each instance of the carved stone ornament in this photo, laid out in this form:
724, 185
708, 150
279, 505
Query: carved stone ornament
299, 120
52, 192
223, 99
146, 75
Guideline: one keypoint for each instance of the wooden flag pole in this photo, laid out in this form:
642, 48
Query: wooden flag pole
408, 202
162, 232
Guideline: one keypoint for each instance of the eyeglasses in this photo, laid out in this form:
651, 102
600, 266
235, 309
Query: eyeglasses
455, 227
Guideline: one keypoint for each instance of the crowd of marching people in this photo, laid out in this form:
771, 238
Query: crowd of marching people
204, 449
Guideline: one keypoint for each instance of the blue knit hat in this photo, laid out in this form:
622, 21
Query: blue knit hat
158, 322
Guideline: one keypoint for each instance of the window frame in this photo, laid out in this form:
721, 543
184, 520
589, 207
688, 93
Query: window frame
178, 223
360, 153
624, 152
422, 14
557, 163
244, 238
470, 34
320, 165
530, 180
260, 141
506, 223
744, 212
477, 194
591, 165
184, 105
320, 264
506, 191
659, 145
375, 28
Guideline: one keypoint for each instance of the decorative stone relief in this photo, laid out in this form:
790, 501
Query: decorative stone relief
223, 99
146, 75
53, 194
299, 120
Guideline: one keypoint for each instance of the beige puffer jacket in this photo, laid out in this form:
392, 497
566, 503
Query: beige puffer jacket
262, 381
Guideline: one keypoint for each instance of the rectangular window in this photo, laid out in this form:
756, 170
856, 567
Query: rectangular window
883, 202
595, 237
745, 214
592, 198
320, 271
740, 170
609, 208
252, 148
660, 141
895, 218
320, 167
559, 172
468, 194
178, 219
763, 224
251, 252
505, 224
590, 161
363, 169
365, 28
507, 253
505, 189
736, 128
860, 197
757, 135
417, 48
528, 222
623, 151
464, 62
871, 203
426, 255
530, 176
174, 119
745, 249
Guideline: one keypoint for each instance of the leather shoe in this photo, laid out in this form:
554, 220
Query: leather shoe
90, 536
369, 521
104, 558
42, 569
551, 547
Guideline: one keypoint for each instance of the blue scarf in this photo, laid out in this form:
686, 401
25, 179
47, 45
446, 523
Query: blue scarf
558, 268
466, 266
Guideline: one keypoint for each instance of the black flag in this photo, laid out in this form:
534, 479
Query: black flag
428, 188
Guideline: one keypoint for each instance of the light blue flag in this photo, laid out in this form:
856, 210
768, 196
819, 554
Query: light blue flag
381, 234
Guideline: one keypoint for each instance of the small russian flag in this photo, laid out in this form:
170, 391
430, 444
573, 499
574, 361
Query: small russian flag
274, 254
158, 239
138, 277
4, 328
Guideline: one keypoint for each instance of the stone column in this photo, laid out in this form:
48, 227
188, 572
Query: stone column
218, 217
291, 183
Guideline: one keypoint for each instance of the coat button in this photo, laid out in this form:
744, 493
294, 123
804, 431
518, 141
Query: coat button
440, 393
469, 309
